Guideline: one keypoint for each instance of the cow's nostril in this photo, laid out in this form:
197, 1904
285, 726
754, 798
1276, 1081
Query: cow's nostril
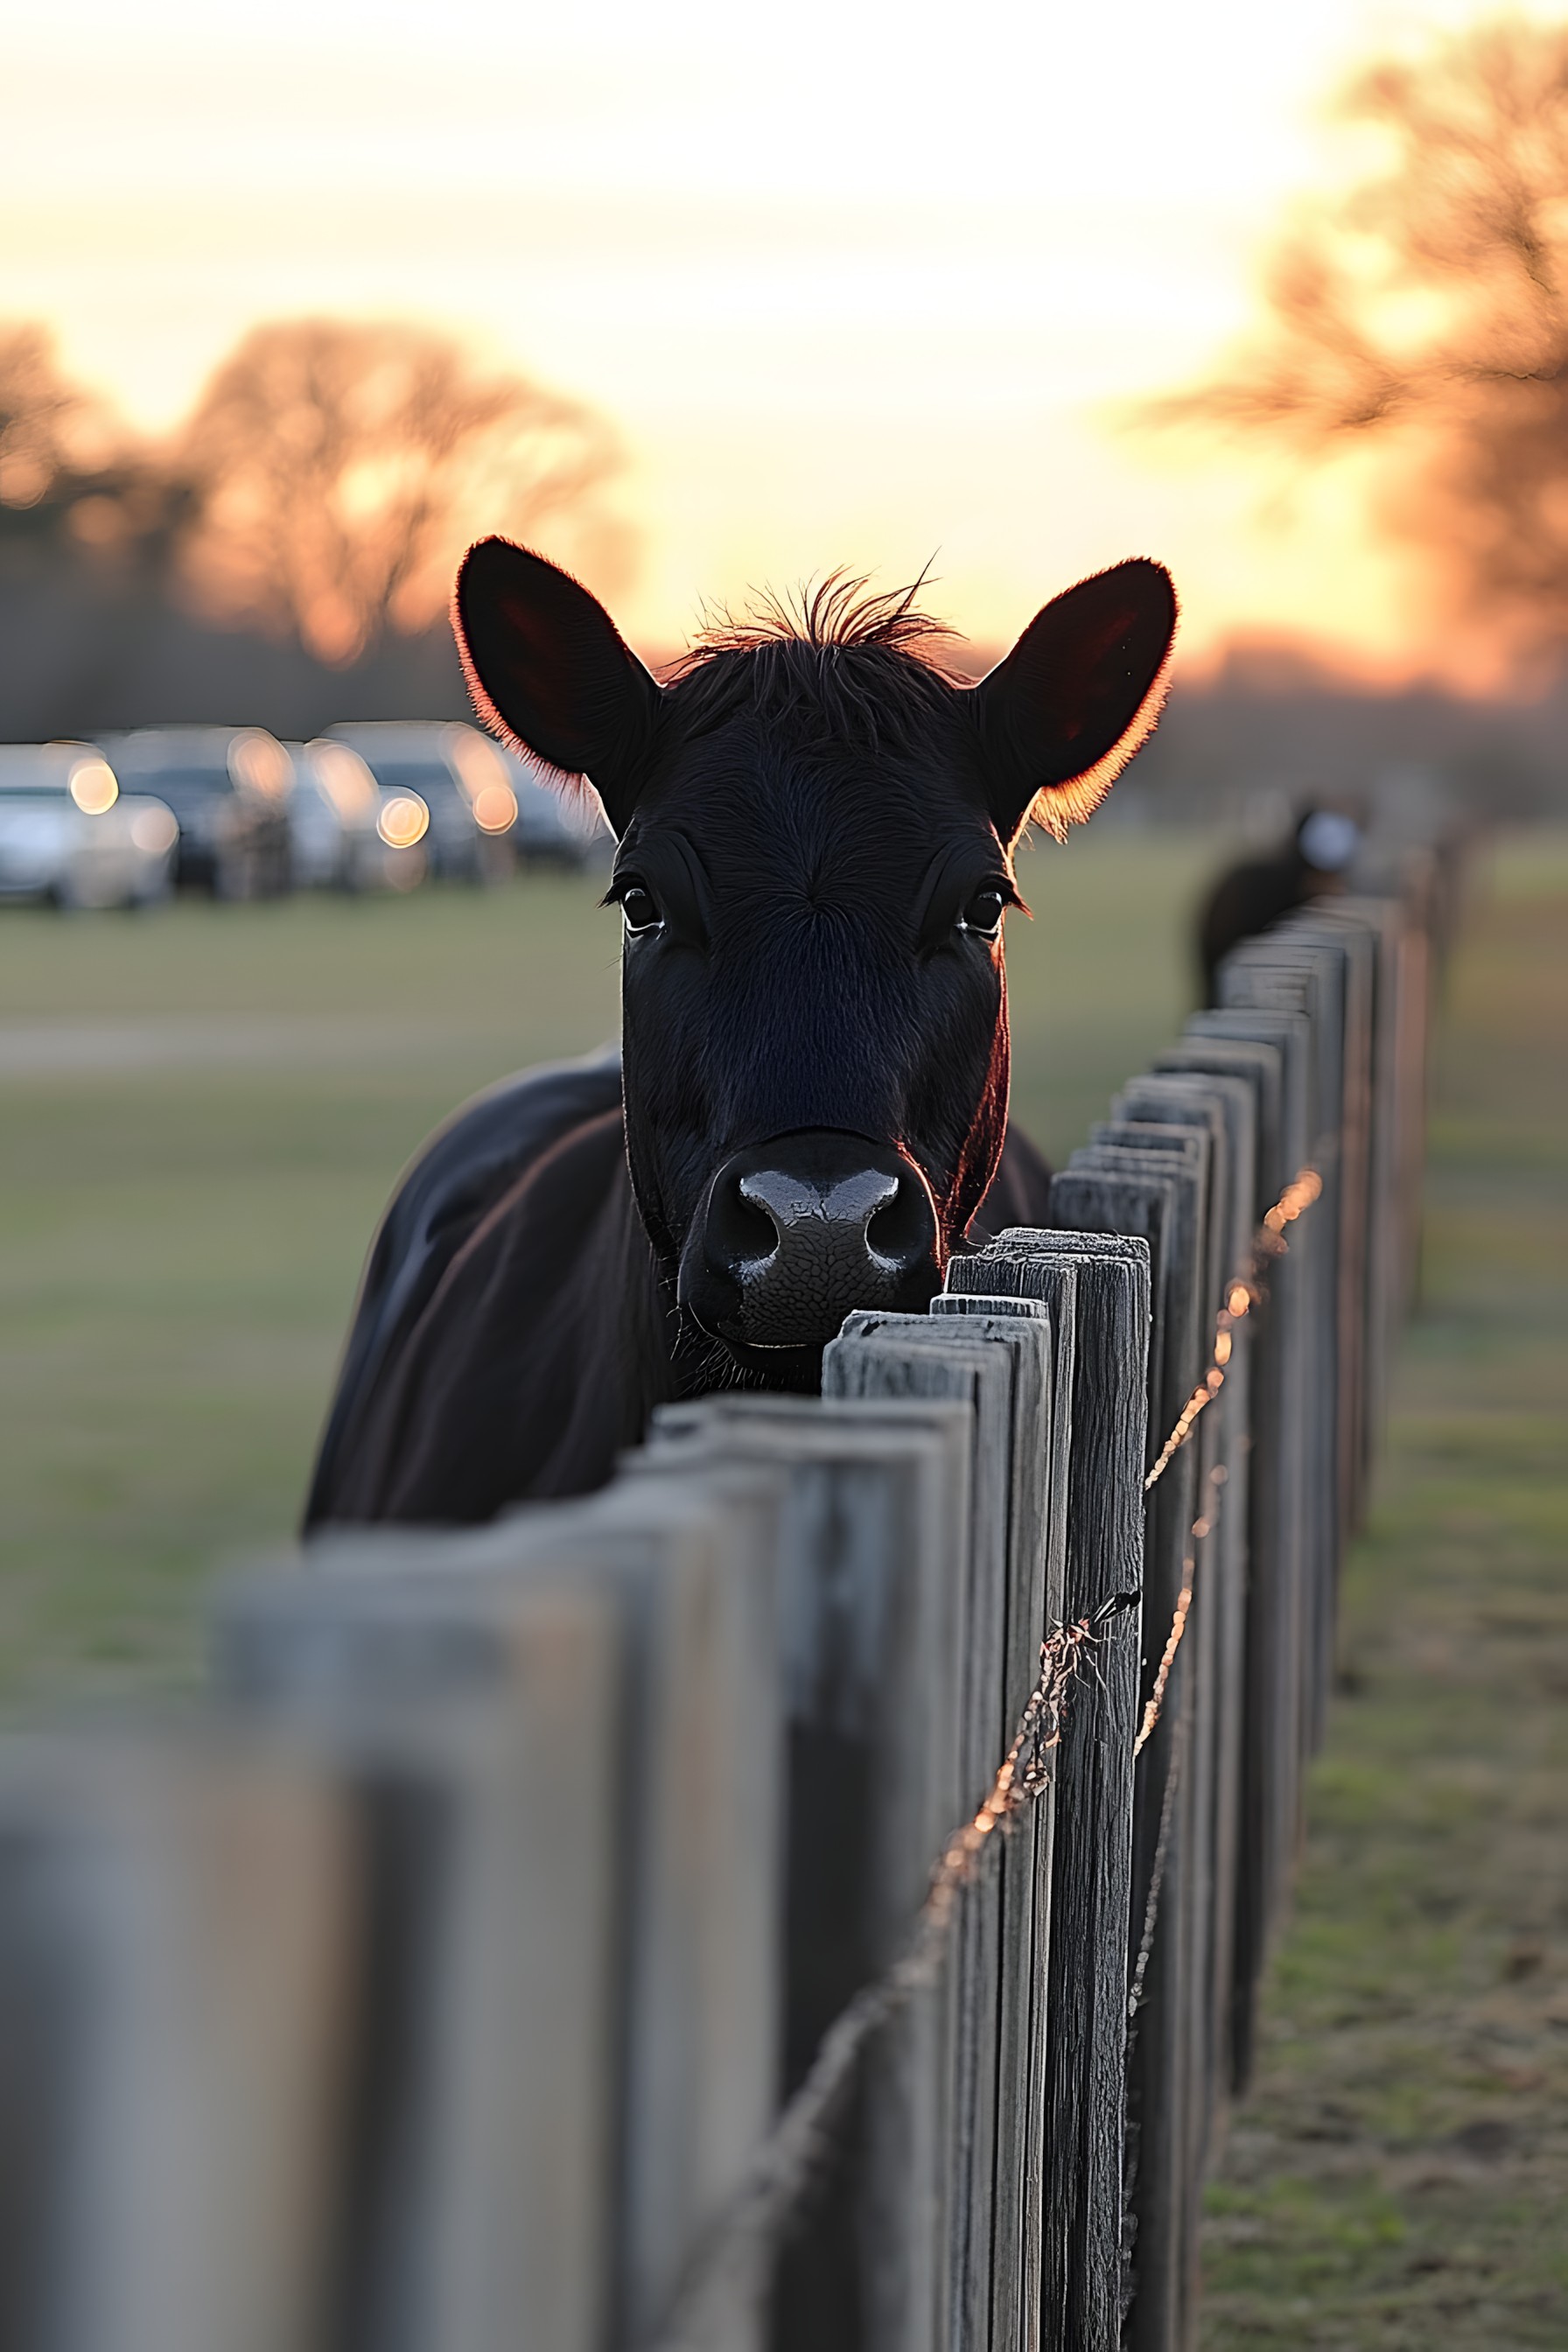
740, 1228
900, 1231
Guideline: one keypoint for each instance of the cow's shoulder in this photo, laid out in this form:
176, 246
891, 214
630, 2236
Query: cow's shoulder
457, 1179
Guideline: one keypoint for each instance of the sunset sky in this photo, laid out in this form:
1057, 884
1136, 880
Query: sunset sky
857, 283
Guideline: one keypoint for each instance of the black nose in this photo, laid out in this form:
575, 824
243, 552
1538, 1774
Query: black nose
795, 1234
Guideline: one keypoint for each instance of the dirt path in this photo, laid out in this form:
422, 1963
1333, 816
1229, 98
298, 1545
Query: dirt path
1399, 2175
217, 1041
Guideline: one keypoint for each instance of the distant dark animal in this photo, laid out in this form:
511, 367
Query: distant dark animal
1253, 897
810, 1111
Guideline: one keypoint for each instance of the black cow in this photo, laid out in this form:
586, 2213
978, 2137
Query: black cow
1251, 897
809, 1112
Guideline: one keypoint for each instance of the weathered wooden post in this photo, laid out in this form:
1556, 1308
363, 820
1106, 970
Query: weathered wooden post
1105, 1289
1037, 1588
176, 1921
620, 1843
1253, 1519
1325, 930
873, 1575
1216, 1627
1002, 1364
1152, 1181
1382, 919
1279, 1606
1280, 970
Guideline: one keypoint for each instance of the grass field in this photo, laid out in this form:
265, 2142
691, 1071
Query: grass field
201, 1115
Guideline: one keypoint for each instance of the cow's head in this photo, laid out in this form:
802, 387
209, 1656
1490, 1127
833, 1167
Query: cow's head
816, 829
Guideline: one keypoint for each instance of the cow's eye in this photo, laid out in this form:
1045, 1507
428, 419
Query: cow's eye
983, 910
639, 909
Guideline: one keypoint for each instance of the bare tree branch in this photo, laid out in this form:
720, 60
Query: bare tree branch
1428, 314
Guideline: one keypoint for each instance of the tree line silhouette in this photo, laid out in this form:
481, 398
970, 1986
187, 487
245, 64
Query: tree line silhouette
291, 542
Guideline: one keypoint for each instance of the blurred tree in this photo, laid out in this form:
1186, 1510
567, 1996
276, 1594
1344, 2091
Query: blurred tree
42, 417
73, 482
340, 469
1429, 310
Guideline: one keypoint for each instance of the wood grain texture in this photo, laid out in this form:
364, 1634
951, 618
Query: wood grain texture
1156, 1183
1279, 1619
1216, 1631
654, 1808
1252, 1521
873, 1576
178, 1921
1001, 2053
875, 1359
1082, 2285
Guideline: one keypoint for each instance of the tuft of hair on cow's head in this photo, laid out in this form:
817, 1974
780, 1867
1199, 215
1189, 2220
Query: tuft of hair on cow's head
817, 823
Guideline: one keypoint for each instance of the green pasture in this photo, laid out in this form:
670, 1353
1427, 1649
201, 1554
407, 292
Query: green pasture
201, 1114
185, 1217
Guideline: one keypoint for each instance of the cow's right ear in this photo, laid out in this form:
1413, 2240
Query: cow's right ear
547, 668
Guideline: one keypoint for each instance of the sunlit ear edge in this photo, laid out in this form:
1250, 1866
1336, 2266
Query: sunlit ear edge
1056, 808
572, 783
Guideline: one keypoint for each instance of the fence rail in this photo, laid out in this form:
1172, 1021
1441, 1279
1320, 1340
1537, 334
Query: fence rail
533, 1944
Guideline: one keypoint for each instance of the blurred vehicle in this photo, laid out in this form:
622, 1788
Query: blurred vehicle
445, 789
69, 836
554, 827
229, 790
334, 813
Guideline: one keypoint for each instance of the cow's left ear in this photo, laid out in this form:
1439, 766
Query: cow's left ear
548, 668
1081, 689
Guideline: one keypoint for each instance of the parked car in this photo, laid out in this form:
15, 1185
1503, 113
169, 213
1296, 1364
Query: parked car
554, 827
228, 787
334, 829
455, 776
69, 836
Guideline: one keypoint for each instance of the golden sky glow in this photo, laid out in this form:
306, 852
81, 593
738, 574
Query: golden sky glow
858, 284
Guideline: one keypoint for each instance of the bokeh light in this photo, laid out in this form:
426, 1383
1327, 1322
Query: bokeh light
405, 819
94, 786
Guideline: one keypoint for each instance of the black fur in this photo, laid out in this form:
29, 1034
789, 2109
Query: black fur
814, 814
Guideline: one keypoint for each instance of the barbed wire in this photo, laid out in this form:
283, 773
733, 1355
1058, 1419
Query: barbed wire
1156, 1881
1244, 1293
1203, 1526
751, 2225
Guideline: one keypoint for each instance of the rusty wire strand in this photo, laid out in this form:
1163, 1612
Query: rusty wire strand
1173, 1644
754, 2220
1242, 1295
1203, 1526
1156, 1879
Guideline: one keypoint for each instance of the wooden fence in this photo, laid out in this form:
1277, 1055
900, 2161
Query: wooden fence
533, 1944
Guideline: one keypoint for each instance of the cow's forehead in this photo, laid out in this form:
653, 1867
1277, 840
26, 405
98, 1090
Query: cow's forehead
750, 800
